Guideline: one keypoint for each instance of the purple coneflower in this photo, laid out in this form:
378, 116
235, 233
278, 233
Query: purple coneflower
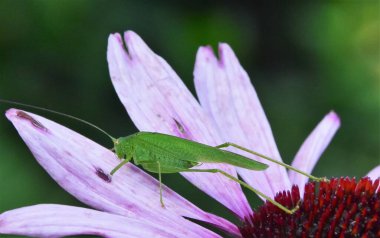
127, 204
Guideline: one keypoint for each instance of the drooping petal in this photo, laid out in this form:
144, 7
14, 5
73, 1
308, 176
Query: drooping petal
82, 168
226, 93
48, 220
157, 100
374, 173
312, 149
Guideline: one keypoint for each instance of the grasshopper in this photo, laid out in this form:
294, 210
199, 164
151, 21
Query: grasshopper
161, 153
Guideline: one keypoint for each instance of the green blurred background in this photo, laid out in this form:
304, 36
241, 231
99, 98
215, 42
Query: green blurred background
304, 60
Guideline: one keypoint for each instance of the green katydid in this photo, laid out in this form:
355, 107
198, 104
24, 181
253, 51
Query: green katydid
161, 153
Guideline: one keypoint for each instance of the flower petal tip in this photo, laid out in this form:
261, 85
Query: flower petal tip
207, 49
334, 117
374, 173
115, 37
13, 114
224, 48
138, 49
226, 54
131, 36
205, 54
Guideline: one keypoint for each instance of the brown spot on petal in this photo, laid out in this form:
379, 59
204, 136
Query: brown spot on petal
106, 177
179, 126
34, 122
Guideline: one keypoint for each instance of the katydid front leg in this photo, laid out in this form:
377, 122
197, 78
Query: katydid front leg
123, 162
227, 144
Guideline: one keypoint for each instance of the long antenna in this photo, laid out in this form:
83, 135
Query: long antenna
58, 113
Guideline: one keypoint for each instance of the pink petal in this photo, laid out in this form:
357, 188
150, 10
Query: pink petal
312, 148
81, 167
157, 100
226, 93
374, 173
49, 220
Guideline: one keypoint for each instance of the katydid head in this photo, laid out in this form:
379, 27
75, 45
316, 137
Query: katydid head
123, 147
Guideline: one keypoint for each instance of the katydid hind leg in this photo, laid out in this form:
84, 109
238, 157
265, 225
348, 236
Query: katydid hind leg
277, 204
228, 144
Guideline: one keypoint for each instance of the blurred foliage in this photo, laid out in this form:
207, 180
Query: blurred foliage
304, 59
